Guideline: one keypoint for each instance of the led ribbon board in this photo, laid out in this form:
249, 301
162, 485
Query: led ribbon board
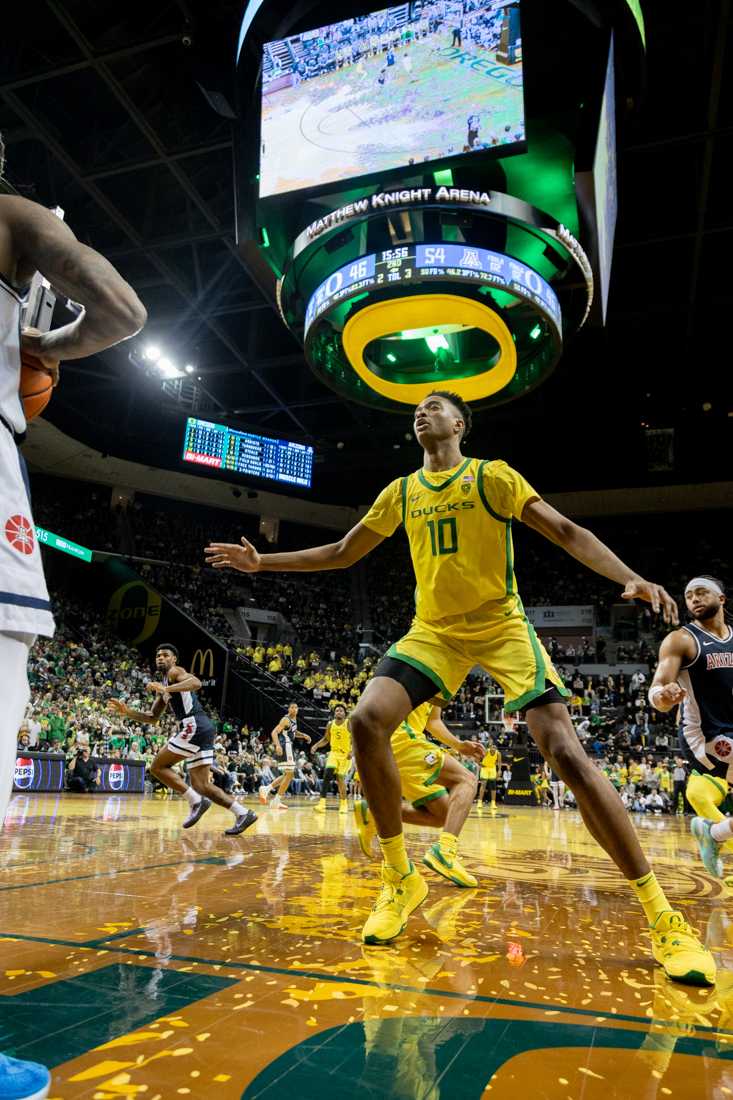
66, 546
413, 263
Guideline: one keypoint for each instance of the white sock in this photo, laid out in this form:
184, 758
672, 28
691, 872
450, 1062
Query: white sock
721, 831
192, 797
237, 809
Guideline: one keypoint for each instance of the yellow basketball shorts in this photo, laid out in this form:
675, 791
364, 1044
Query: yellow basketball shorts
497, 636
340, 762
484, 774
419, 763
706, 793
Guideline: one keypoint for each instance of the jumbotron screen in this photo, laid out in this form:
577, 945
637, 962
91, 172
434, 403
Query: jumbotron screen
223, 448
411, 83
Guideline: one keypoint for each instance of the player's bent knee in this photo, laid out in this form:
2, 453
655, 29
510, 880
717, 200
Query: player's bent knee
366, 725
469, 783
566, 758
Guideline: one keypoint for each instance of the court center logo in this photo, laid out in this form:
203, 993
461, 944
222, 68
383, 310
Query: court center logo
203, 660
134, 611
20, 534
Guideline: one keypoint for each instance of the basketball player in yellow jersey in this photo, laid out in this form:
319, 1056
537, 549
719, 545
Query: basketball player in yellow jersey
437, 791
489, 767
458, 514
337, 736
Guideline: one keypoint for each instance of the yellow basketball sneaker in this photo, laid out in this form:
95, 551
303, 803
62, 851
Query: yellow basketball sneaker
399, 896
676, 948
365, 827
449, 866
343, 807
320, 806
479, 808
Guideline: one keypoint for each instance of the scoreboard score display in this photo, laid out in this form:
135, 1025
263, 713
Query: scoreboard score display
417, 262
225, 448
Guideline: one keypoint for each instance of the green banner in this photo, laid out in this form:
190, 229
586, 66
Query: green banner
66, 546
638, 14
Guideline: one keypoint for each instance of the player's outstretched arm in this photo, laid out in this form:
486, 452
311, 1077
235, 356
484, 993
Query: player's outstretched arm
356, 544
585, 547
325, 740
665, 693
151, 717
112, 310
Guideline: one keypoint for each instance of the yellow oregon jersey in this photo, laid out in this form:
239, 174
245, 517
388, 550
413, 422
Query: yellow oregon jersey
489, 761
413, 726
340, 738
459, 524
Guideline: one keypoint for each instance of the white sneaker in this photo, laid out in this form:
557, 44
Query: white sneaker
263, 793
277, 804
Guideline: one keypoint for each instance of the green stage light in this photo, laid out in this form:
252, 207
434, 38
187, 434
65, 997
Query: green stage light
444, 178
265, 238
436, 341
392, 358
535, 333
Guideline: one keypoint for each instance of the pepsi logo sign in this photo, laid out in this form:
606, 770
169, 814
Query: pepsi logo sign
24, 772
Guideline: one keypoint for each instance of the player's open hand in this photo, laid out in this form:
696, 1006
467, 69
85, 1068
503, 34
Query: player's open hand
654, 594
31, 345
230, 555
473, 749
117, 707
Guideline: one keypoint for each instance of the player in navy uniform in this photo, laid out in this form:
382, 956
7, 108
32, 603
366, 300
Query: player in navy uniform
695, 672
283, 735
33, 239
193, 741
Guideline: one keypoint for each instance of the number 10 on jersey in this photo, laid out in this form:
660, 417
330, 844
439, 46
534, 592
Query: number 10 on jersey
443, 535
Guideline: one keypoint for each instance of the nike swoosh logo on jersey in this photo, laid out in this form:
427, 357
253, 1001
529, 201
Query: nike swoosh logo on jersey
708, 643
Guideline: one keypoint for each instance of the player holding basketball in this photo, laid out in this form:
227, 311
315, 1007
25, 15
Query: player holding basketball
695, 672
193, 741
458, 514
32, 239
283, 735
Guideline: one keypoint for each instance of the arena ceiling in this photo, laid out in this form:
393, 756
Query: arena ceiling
103, 113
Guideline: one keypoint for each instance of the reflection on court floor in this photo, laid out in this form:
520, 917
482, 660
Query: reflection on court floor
142, 962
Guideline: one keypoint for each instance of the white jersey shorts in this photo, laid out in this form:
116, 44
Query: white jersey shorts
24, 603
194, 742
286, 763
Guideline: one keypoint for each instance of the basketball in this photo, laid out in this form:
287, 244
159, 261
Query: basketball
36, 385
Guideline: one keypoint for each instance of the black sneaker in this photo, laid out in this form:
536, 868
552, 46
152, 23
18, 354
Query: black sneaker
197, 813
243, 822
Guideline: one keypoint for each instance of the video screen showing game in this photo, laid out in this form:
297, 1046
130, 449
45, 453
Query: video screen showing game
416, 82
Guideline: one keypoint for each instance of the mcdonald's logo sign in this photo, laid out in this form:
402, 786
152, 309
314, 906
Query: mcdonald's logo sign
201, 660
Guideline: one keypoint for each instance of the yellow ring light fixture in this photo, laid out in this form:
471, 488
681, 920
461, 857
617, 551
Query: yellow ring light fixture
425, 311
355, 318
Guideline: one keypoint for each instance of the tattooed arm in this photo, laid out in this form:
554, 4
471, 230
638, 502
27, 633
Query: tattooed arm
42, 242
